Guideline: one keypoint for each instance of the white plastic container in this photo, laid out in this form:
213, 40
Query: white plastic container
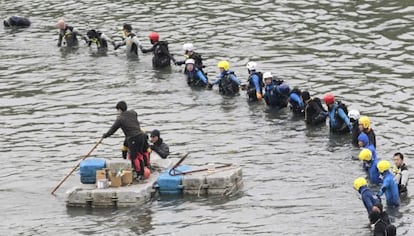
102, 183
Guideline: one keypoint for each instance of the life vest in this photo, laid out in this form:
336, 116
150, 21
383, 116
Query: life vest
274, 97
69, 36
251, 88
193, 80
227, 86
95, 38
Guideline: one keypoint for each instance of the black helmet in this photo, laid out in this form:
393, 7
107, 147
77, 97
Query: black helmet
92, 34
296, 90
305, 95
121, 106
127, 27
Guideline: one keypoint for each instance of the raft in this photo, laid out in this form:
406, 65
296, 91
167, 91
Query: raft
134, 194
211, 179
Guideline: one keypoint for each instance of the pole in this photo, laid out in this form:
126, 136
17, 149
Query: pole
76, 166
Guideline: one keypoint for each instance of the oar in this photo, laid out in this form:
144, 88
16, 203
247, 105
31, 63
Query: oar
199, 170
75, 167
178, 163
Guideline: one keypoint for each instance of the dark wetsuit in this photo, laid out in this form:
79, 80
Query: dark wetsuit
161, 148
136, 140
162, 57
70, 35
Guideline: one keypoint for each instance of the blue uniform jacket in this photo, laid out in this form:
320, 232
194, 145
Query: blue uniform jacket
368, 198
390, 188
333, 123
231, 75
196, 73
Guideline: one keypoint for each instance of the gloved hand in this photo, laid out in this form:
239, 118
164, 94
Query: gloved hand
104, 135
325, 113
259, 96
209, 85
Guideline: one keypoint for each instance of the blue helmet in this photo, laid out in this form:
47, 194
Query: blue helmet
363, 137
284, 88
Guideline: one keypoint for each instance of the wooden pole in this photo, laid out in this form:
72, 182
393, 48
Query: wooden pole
76, 166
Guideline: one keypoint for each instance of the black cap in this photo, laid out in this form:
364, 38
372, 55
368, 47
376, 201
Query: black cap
155, 133
121, 106
127, 27
305, 95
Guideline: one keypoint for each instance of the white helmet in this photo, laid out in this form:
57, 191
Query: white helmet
251, 65
188, 47
189, 61
267, 75
353, 114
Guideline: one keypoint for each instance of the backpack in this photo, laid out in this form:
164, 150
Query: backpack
343, 107
227, 86
162, 49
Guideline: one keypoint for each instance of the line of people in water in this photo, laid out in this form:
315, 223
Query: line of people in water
276, 94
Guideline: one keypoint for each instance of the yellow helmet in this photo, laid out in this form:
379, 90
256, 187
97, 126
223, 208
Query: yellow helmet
364, 121
383, 165
223, 64
365, 155
359, 182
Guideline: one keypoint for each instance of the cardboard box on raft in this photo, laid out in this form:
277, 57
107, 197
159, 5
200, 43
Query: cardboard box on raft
126, 177
116, 181
101, 174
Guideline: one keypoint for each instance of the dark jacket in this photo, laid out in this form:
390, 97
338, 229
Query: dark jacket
128, 122
161, 148
314, 112
355, 132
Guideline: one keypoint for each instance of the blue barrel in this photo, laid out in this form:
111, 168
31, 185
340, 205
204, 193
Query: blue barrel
171, 184
88, 168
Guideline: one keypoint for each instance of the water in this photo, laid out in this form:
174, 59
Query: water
298, 181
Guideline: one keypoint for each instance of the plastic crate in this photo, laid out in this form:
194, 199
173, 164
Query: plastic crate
88, 168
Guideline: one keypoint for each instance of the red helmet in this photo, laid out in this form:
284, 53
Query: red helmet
329, 98
154, 36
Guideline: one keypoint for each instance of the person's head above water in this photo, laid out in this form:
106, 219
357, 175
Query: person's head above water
61, 24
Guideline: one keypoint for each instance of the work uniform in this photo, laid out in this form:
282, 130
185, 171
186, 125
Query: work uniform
390, 188
136, 140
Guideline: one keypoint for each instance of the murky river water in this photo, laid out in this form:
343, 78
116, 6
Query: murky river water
298, 181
